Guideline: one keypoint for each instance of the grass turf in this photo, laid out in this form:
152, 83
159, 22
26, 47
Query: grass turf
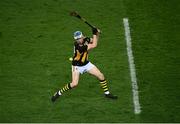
36, 42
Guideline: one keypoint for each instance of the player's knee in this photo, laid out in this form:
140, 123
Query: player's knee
74, 84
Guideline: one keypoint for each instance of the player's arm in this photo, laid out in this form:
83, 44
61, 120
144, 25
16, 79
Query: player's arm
94, 39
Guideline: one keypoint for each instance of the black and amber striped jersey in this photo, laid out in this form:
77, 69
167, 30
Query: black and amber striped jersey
81, 53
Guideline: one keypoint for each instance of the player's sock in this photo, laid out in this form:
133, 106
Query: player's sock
59, 93
64, 89
104, 86
106, 91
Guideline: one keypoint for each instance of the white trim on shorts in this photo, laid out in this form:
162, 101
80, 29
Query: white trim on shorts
85, 68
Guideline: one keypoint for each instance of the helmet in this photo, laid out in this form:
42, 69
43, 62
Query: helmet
77, 35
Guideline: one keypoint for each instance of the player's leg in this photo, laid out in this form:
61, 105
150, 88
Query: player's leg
75, 77
97, 73
73, 84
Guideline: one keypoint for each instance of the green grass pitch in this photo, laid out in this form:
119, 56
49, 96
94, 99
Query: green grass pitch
36, 42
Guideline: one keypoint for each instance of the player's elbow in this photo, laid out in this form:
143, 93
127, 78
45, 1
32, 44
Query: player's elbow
94, 45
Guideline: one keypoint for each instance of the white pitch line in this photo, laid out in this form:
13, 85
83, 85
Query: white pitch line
137, 108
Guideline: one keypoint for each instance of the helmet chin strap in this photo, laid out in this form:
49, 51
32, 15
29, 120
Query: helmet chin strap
80, 43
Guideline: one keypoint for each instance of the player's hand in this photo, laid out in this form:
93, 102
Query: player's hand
95, 31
